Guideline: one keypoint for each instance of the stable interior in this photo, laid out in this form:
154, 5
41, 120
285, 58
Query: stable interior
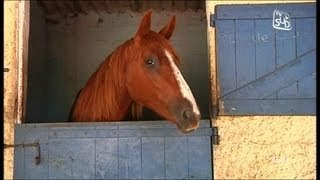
69, 39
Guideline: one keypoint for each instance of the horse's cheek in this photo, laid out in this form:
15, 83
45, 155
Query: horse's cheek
132, 82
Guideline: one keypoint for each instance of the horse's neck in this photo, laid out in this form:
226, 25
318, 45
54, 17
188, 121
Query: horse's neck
105, 97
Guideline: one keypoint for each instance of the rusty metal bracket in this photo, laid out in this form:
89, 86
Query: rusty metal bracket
212, 20
35, 144
216, 136
6, 69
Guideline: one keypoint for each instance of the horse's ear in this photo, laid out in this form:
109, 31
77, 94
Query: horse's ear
145, 24
167, 31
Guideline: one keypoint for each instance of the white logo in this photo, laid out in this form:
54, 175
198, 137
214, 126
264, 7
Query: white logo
281, 20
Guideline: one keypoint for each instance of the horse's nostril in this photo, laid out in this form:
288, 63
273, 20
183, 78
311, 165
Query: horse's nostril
186, 114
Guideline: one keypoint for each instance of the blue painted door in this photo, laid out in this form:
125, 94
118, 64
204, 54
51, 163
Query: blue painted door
266, 56
113, 150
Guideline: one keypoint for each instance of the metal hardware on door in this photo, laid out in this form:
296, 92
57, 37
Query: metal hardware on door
35, 144
212, 20
215, 136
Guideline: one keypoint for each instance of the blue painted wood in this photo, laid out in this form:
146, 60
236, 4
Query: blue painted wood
122, 133
107, 158
19, 163
226, 51
130, 158
26, 156
176, 157
245, 52
281, 78
289, 92
262, 11
120, 151
307, 87
32, 170
273, 96
71, 159
153, 166
274, 68
285, 46
254, 107
305, 35
199, 160
265, 49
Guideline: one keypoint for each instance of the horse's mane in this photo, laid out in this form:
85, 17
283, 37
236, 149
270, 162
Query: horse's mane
97, 91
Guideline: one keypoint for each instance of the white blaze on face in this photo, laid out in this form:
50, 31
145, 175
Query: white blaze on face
184, 87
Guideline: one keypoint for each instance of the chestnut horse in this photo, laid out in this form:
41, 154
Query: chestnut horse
142, 72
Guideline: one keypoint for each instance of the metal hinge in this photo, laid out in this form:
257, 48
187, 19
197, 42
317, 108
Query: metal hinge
212, 20
215, 136
35, 144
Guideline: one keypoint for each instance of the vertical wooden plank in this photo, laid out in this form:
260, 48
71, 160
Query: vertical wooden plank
107, 158
285, 45
130, 158
200, 165
305, 42
176, 157
226, 56
265, 49
71, 159
19, 169
289, 92
305, 33
245, 52
153, 158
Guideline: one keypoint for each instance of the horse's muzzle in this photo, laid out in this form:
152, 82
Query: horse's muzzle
189, 121
185, 118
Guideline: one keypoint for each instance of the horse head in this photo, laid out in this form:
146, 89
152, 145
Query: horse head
153, 77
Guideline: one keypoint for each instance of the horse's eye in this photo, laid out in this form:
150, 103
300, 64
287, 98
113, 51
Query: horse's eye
149, 62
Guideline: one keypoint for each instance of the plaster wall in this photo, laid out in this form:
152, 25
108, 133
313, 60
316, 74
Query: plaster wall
10, 82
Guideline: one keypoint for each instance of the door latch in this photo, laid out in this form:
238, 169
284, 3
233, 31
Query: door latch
34, 144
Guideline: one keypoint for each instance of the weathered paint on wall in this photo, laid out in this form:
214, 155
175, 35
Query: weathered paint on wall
10, 82
261, 147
